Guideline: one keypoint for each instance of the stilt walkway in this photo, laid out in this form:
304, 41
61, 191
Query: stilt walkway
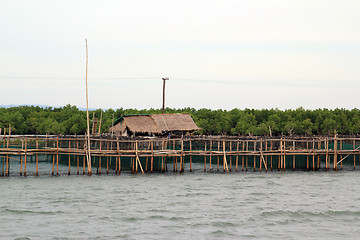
159, 154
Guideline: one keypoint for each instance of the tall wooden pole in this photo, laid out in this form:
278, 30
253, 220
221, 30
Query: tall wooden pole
87, 115
163, 105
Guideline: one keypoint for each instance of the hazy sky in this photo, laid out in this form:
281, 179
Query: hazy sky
217, 53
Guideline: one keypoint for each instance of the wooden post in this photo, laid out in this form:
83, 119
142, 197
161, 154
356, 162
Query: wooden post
237, 155
224, 149
354, 153
313, 162
284, 155
174, 159
243, 156
182, 154
327, 153
271, 157
205, 157
255, 142
335, 153
190, 146
218, 157
266, 157
224, 161
341, 155
107, 158
57, 155
88, 155
247, 156
37, 158
100, 148
25, 157
117, 161
152, 156
230, 156
210, 155
21, 158
294, 156
318, 158
307, 156
69, 156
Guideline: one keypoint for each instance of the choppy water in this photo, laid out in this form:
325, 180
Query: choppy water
277, 205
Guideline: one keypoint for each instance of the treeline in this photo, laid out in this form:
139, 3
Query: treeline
71, 120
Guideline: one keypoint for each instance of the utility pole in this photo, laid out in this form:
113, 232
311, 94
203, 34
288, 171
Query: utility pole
163, 106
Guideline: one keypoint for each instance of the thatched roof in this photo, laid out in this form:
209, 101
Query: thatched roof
156, 123
175, 122
141, 124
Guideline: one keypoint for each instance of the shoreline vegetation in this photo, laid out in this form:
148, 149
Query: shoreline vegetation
71, 120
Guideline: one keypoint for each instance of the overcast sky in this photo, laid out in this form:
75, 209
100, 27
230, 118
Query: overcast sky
217, 53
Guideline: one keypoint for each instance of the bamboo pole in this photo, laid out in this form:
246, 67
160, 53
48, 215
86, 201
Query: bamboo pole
243, 156
354, 153
335, 153
224, 161
230, 157
313, 161
57, 155
271, 157
210, 155
37, 158
341, 145
182, 155
21, 158
218, 157
205, 157
25, 160
247, 158
87, 117
327, 154
77, 158
294, 156
255, 156
152, 156
69, 157
307, 156
237, 156
260, 155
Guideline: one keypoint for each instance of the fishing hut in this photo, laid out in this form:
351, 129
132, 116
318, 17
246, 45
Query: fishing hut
178, 124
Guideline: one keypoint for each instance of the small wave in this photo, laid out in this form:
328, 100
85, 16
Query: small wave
30, 212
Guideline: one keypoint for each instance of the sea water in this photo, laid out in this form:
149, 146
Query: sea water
196, 205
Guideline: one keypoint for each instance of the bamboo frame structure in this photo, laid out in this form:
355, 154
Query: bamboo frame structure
188, 150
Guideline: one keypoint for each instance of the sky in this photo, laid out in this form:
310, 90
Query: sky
218, 54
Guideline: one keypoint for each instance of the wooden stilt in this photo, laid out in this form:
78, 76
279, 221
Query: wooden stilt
243, 156
152, 156
37, 158
25, 160
69, 157
107, 158
247, 157
218, 157
205, 157
255, 156
237, 155
119, 162
335, 153
354, 153
210, 155
21, 158
57, 155
294, 156
307, 156
271, 157
260, 156
341, 156
313, 161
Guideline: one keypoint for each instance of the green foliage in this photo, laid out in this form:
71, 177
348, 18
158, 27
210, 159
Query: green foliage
71, 120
